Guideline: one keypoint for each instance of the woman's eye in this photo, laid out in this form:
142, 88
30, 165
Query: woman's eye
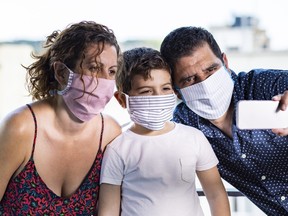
112, 72
94, 69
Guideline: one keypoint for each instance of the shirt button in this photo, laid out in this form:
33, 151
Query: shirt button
263, 177
283, 198
243, 155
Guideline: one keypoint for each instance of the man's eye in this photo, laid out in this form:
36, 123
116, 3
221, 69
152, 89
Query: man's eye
188, 81
212, 69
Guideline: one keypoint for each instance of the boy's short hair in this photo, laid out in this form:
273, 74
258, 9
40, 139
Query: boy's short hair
138, 61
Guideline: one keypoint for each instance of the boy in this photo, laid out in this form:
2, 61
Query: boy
150, 168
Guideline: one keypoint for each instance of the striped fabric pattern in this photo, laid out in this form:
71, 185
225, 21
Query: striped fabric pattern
210, 98
151, 111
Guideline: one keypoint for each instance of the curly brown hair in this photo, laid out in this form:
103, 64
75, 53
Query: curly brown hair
68, 47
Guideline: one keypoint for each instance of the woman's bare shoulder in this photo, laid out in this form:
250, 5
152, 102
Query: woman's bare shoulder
112, 128
16, 139
17, 122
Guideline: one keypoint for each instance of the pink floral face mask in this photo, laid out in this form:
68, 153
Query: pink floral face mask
88, 100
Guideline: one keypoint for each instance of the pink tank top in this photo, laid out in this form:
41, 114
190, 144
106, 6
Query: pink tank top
27, 194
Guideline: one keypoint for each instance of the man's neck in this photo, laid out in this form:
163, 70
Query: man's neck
224, 123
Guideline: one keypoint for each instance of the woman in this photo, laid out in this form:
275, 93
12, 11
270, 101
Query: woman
51, 149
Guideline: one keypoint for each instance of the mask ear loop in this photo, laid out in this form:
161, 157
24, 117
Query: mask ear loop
126, 101
230, 74
53, 92
69, 83
179, 91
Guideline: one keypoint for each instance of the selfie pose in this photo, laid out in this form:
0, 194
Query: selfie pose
253, 161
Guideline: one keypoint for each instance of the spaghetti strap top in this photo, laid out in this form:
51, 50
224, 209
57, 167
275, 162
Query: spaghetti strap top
27, 194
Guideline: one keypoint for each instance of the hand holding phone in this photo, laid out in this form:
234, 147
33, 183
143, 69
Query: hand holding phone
260, 114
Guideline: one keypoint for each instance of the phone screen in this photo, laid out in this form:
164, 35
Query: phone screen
260, 114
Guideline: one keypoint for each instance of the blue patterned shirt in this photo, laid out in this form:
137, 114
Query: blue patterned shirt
254, 161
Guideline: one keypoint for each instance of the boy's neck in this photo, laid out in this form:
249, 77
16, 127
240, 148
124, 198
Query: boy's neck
138, 129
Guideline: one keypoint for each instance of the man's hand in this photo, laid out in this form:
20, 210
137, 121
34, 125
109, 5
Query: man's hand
283, 104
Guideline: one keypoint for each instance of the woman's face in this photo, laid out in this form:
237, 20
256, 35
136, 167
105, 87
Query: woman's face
101, 66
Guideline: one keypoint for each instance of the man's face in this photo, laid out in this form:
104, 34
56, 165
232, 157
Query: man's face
196, 67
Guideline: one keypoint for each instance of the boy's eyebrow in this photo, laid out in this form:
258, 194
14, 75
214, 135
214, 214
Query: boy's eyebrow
168, 83
141, 87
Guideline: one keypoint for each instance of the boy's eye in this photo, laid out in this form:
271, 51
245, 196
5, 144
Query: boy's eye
167, 88
146, 91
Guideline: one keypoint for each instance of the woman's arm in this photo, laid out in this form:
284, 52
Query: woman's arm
215, 192
13, 147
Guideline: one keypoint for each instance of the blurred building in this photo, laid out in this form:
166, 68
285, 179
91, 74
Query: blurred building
243, 35
13, 92
248, 46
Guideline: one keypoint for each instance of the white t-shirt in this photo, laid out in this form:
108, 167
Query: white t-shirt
157, 173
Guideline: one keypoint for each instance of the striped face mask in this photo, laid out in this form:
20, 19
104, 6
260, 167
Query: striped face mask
151, 112
210, 98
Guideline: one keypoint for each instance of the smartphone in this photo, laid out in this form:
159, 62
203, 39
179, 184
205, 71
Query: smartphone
260, 114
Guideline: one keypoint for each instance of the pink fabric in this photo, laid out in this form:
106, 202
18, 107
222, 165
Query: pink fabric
97, 93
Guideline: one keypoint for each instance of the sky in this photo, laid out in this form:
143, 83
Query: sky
132, 19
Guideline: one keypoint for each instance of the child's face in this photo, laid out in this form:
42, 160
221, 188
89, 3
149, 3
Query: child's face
158, 84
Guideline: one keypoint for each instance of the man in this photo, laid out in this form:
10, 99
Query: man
253, 161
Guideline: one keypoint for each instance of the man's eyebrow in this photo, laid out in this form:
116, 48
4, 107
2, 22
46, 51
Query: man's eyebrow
182, 79
211, 66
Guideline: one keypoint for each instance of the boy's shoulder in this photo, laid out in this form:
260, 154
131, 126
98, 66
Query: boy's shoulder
188, 129
123, 137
